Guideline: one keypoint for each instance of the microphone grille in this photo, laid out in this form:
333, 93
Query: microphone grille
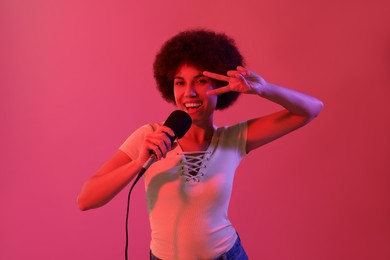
179, 121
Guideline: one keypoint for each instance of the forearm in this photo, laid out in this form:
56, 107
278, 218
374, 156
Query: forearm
296, 102
101, 188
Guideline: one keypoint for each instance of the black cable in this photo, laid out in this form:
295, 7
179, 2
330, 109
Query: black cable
127, 211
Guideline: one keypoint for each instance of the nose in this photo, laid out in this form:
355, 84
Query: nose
190, 91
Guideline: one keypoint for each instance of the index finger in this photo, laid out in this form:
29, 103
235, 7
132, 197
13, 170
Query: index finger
168, 131
215, 76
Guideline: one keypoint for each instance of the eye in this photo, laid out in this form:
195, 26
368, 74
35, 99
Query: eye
179, 83
202, 81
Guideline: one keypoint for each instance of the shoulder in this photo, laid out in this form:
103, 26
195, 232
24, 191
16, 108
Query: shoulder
234, 137
233, 130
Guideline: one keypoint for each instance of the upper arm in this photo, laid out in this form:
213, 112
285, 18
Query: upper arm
268, 128
117, 160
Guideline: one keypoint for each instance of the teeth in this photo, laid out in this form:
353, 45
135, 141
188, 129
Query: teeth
192, 105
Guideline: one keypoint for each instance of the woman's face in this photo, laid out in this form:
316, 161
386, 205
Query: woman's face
190, 87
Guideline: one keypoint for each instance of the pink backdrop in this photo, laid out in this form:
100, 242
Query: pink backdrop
76, 80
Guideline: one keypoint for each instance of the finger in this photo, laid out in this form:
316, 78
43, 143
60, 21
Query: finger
242, 79
233, 73
153, 148
160, 149
157, 145
159, 152
243, 71
215, 76
218, 91
168, 131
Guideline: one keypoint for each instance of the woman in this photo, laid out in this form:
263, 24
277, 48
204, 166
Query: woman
188, 189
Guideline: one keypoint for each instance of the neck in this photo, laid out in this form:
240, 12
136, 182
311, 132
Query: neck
197, 138
200, 133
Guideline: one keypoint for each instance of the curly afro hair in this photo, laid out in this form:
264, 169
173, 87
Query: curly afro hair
203, 49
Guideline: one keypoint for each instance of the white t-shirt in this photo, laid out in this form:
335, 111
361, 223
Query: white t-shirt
188, 198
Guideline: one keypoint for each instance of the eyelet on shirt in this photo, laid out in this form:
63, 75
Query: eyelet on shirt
193, 165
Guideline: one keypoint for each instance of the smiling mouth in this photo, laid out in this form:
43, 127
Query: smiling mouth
192, 105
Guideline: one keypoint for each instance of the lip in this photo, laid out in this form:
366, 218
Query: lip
192, 104
192, 109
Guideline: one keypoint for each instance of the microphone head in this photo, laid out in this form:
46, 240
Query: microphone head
179, 121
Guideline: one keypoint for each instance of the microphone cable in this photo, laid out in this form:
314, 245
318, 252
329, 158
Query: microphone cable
128, 208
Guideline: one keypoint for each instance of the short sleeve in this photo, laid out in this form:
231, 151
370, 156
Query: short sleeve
242, 137
236, 136
134, 142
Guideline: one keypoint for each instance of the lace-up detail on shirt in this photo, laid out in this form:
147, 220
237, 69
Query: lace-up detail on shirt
193, 165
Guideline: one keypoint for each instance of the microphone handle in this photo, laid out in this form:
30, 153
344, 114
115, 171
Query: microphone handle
152, 159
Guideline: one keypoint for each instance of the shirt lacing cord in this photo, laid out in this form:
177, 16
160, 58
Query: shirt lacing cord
193, 165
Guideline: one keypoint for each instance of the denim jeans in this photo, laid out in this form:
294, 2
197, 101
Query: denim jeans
237, 252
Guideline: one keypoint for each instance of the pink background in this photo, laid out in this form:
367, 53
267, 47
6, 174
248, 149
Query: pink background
76, 80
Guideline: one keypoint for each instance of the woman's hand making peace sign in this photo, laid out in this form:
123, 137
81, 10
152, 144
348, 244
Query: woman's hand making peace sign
240, 80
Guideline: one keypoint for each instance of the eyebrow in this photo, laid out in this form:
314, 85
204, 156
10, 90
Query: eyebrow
196, 77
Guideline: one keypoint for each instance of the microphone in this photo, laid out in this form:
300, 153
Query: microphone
179, 121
